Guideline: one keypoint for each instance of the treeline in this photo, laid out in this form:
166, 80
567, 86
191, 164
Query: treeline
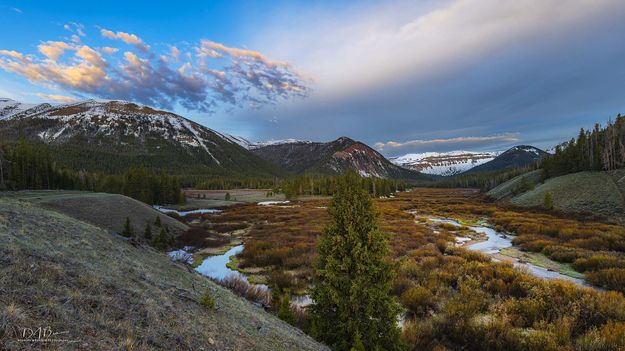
482, 180
27, 165
328, 185
230, 183
600, 149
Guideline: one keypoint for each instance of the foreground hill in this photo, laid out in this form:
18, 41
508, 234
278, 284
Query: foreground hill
104, 210
444, 163
600, 194
518, 156
107, 294
331, 158
111, 136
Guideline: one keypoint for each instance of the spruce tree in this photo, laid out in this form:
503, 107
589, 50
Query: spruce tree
353, 277
548, 201
285, 312
147, 233
128, 231
157, 222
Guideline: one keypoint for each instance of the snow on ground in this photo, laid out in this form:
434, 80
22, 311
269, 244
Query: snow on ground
269, 203
184, 213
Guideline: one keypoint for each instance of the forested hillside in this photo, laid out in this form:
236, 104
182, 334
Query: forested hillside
599, 149
27, 165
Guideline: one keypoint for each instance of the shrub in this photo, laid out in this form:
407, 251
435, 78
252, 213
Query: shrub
207, 300
611, 336
418, 300
610, 278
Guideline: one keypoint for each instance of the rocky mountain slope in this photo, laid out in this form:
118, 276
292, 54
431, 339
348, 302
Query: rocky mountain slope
517, 156
110, 136
443, 163
334, 157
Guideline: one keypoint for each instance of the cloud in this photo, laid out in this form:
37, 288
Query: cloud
109, 50
13, 54
54, 49
457, 141
239, 78
58, 98
126, 38
17, 10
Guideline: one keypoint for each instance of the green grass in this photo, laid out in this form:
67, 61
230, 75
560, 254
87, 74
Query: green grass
540, 260
104, 210
505, 190
583, 192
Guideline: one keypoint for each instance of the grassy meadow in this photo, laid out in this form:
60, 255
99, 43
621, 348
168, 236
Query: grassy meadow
454, 298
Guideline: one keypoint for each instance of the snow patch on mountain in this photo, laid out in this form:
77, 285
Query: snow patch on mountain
444, 163
9, 108
272, 142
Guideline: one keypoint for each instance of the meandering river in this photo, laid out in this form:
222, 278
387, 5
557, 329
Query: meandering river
496, 241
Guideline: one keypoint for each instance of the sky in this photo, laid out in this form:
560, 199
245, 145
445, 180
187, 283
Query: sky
401, 76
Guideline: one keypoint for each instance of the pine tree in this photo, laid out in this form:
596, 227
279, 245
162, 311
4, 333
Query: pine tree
128, 231
353, 277
285, 312
227, 197
548, 201
147, 233
157, 222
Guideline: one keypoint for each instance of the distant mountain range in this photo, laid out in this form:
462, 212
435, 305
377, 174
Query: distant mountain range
334, 157
517, 156
444, 163
112, 136
458, 162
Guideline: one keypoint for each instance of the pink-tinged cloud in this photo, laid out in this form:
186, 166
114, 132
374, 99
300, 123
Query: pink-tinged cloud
507, 137
240, 77
127, 38
58, 98
54, 49
13, 54
109, 50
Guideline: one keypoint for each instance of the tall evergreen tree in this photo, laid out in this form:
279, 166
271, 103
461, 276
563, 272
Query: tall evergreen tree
353, 277
147, 233
128, 231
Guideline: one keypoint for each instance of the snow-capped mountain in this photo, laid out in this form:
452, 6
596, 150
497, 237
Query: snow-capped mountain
132, 131
259, 144
517, 156
9, 108
444, 163
334, 157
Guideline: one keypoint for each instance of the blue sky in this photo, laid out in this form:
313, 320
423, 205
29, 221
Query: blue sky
403, 76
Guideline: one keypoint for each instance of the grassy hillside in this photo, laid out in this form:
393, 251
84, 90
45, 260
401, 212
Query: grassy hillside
507, 189
108, 211
596, 193
72, 276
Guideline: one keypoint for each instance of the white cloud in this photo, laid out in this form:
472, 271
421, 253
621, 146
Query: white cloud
352, 51
507, 138
58, 98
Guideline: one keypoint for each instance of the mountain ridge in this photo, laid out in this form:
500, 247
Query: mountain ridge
331, 158
122, 131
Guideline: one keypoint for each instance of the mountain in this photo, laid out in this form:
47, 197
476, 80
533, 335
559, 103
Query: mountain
111, 136
334, 157
444, 163
517, 156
